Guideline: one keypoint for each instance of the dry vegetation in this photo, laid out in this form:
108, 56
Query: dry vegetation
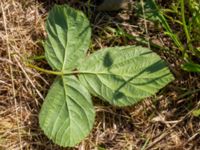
161, 122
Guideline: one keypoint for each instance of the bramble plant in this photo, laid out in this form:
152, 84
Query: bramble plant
121, 76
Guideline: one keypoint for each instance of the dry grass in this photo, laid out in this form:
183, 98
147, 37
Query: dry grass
161, 122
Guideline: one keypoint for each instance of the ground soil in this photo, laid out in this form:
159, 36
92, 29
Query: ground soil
163, 122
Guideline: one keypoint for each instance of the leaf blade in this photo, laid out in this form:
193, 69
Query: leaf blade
67, 114
124, 75
68, 38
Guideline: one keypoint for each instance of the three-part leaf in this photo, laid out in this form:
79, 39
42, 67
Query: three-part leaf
120, 75
124, 75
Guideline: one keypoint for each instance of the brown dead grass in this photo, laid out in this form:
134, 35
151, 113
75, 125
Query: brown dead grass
161, 122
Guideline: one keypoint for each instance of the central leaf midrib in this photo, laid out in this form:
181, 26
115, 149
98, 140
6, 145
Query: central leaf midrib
64, 61
105, 73
65, 93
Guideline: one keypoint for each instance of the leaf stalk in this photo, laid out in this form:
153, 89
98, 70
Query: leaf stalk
45, 70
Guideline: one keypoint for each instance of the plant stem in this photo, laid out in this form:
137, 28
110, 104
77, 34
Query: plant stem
37, 57
57, 72
44, 70
185, 26
63, 73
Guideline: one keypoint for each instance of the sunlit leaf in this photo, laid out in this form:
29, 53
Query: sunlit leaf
67, 114
68, 39
124, 75
120, 75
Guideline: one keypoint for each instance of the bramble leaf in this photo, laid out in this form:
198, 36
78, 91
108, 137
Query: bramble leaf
120, 75
68, 39
124, 75
67, 114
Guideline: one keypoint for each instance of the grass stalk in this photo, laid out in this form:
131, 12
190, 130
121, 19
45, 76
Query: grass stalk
185, 26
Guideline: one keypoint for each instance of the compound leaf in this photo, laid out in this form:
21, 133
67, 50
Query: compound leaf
68, 38
67, 114
124, 75
121, 75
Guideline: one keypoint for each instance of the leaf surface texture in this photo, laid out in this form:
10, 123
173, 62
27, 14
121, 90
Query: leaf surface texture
124, 75
67, 114
68, 38
120, 75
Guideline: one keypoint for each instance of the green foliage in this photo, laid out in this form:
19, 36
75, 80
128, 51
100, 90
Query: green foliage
196, 112
67, 114
120, 75
155, 14
194, 23
191, 67
68, 39
188, 21
124, 75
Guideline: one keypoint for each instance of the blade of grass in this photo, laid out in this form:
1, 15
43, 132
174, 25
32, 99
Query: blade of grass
185, 26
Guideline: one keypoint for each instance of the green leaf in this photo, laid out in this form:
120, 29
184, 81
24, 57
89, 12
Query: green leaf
191, 67
67, 114
120, 75
68, 39
124, 75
